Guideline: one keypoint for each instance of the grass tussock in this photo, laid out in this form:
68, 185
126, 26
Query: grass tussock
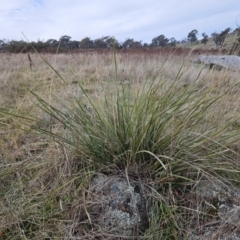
157, 119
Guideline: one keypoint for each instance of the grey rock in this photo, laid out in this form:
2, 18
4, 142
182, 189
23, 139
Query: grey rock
219, 190
226, 200
47, 121
88, 109
223, 209
233, 216
231, 62
213, 233
118, 206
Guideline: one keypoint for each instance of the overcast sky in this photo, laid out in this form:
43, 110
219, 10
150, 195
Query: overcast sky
138, 19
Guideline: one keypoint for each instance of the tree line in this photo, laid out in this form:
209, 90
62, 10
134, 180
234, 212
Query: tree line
107, 42
65, 44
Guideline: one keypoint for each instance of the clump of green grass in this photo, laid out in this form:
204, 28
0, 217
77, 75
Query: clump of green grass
131, 127
160, 132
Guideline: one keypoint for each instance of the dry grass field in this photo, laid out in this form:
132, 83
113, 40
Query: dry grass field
158, 117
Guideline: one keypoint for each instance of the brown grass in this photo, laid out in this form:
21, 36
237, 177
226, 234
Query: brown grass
41, 181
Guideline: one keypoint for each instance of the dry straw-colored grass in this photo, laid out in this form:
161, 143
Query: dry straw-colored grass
42, 182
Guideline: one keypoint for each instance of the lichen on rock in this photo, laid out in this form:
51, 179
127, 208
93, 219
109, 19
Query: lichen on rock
118, 205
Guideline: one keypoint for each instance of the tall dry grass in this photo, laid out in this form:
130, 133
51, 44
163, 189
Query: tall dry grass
160, 117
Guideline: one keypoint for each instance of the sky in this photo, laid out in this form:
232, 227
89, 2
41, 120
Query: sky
141, 20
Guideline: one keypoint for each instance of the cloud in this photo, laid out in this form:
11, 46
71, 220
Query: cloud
138, 19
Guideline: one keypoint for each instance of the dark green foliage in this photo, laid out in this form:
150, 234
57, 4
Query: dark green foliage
131, 43
192, 36
160, 41
205, 38
220, 38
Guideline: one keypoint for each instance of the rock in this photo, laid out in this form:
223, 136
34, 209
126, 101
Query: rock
233, 216
209, 189
214, 233
224, 61
47, 121
118, 206
225, 223
88, 109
